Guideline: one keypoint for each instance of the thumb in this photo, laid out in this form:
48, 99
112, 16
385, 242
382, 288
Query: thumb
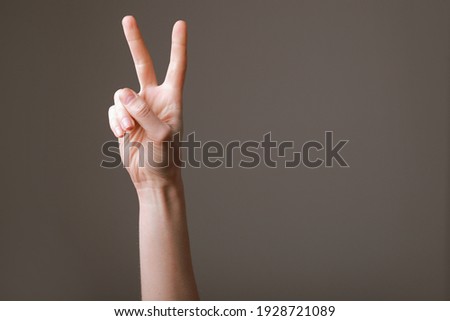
138, 108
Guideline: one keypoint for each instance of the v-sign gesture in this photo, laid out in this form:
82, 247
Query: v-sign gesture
155, 113
149, 119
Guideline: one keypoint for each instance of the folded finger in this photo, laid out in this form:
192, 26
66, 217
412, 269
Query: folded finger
113, 122
123, 116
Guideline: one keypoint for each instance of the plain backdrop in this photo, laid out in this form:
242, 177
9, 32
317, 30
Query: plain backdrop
374, 72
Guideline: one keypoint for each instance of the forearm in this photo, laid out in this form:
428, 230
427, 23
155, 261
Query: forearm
166, 266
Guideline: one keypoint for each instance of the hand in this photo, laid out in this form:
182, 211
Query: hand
153, 115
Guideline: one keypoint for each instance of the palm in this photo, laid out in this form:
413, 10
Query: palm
165, 103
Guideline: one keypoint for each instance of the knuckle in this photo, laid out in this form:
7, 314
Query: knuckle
116, 94
120, 111
111, 111
140, 108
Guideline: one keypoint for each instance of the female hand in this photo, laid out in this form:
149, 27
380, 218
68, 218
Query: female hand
152, 116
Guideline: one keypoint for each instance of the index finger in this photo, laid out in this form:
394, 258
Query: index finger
142, 60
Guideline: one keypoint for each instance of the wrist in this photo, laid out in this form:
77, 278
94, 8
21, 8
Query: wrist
165, 195
157, 181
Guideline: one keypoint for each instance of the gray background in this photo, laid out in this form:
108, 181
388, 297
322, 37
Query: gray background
374, 72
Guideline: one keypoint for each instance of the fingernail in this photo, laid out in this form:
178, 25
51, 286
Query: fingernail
127, 96
126, 123
118, 131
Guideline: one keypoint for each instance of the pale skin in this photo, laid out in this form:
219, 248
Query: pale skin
155, 115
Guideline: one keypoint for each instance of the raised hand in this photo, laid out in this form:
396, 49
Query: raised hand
154, 114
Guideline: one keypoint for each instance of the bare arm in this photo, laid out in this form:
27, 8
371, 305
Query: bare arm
166, 269
150, 118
